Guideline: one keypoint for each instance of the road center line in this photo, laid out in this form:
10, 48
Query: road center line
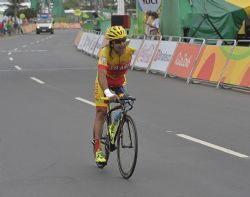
18, 67
213, 146
37, 80
85, 101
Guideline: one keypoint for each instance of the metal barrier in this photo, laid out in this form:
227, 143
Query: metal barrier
220, 42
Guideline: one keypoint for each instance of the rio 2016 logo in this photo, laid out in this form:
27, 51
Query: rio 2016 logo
152, 5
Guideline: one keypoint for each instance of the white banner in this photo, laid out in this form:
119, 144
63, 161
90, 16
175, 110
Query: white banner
146, 53
93, 43
88, 42
135, 43
163, 56
82, 41
146, 5
120, 7
98, 45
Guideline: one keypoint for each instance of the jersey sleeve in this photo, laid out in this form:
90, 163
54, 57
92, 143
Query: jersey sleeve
103, 59
130, 50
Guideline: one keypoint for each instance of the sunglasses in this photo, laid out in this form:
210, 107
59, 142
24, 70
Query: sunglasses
119, 41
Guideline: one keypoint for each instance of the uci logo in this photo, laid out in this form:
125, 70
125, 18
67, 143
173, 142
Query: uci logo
153, 5
150, 1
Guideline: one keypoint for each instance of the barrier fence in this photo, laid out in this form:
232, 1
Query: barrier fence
223, 63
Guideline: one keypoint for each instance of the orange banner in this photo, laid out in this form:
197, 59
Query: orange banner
211, 63
28, 28
67, 26
238, 70
183, 60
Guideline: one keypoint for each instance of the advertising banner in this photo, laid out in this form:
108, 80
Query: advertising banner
146, 54
93, 43
142, 6
146, 5
135, 43
237, 71
82, 41
183, 60
88, 42
163, 56
212, 63
99, 45
78, 38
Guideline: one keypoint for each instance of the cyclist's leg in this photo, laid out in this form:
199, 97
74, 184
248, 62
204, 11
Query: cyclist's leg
101, 113
98, 125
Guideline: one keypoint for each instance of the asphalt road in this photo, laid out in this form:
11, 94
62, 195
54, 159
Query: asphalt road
193, 139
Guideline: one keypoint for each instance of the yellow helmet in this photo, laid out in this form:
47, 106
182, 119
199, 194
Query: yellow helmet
115, 32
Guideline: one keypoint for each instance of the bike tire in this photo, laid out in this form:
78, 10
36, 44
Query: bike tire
127, 139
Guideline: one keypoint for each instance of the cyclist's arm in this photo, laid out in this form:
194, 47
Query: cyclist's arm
104, 84
102, 79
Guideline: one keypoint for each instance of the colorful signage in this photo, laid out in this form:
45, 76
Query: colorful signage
146, 5
183, 60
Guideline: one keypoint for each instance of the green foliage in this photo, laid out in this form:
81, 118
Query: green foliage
14, 7
68, 4
29, 13
62, 20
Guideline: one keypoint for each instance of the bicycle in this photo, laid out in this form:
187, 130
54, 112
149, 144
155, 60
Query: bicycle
125, 137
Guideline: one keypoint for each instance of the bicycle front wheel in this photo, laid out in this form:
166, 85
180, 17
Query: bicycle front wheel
127, 147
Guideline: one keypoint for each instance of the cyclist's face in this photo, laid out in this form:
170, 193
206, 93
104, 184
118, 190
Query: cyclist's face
120, 45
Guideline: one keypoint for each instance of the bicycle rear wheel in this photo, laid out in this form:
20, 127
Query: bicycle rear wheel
127, 147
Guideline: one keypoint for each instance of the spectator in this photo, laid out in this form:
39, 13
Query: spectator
15, 26
148, 20
9, 26
20, 25
155, 27
1, 28
96, 22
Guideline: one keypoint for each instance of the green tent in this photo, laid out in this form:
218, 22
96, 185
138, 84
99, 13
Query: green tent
203, 18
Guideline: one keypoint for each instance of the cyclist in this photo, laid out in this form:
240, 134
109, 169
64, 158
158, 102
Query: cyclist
114, 62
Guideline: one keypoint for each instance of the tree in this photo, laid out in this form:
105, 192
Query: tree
13, 8
92, 4
29, 13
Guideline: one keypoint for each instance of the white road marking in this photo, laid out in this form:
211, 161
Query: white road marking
9, 53
24, 46
39, 50
18, 67
11, 58
15, 49
85, 101
30, 51
213, 146
37, 80
169, 131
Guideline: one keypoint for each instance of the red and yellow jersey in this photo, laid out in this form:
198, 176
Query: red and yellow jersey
116, 65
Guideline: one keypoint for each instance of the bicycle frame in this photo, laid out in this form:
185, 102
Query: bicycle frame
125, 105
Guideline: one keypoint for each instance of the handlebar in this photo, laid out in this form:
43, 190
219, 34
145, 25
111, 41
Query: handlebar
129, 98
126, 103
